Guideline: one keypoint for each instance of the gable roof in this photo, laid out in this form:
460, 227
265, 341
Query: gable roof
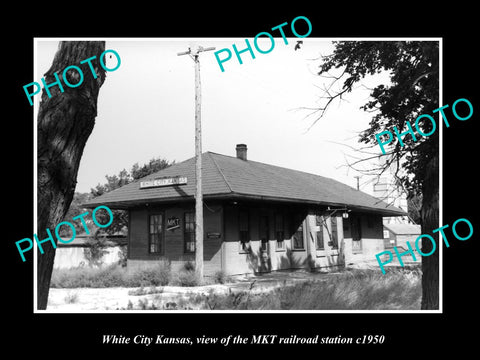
230, 177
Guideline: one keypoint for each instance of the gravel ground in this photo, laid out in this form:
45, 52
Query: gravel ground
118, 298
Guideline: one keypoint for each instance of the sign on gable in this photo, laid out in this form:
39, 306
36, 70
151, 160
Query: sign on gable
165, 181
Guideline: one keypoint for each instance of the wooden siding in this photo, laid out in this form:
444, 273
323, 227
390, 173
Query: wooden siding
225, 252
173, 242
237, 261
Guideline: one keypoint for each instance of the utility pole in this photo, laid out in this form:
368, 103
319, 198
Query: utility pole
358, 182
194, 54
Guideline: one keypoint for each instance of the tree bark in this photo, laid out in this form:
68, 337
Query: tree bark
430, 222
65, 121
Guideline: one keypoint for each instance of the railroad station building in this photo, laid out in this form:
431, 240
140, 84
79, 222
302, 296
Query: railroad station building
257, 217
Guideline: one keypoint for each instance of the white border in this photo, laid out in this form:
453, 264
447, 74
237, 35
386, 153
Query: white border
35, 154
35, 175
440, 172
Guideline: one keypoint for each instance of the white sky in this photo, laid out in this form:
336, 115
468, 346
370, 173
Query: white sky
146, 107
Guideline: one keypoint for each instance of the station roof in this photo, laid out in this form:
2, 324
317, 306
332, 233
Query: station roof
227, 177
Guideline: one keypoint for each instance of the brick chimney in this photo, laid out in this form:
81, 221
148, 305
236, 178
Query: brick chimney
241, 151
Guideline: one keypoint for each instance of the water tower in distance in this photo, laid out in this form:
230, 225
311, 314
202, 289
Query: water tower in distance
387, 188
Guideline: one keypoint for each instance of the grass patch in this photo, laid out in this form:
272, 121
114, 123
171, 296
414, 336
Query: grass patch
145, 291
157, 274
350, 290
355, 290
88, 277
398, 289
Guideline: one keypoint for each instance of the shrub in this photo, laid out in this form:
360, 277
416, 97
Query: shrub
110, 276
188, 278
95, 252
157, 274
72, 278
220, 277
189, 265
122, 255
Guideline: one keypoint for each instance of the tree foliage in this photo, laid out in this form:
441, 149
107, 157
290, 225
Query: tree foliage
413, 90
120, 217
76, 209
154, 165
414, 72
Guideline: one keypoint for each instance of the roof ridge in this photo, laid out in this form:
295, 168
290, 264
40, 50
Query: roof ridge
285, 168
220, 171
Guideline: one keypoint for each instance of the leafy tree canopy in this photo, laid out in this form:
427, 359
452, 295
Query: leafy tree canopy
120, 217
414, 73
413, 90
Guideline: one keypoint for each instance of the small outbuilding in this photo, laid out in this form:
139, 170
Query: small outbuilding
257, 217
396, 234
86, 251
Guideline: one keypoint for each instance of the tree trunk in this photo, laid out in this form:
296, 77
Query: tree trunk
430, 222
65, 122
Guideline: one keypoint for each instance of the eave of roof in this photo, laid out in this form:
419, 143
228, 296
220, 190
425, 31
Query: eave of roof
124, 205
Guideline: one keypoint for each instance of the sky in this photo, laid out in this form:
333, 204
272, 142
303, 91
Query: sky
146, 108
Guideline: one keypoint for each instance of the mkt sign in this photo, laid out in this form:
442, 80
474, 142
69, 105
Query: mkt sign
165, 181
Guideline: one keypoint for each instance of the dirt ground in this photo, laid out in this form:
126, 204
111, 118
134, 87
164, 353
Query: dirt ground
118, 298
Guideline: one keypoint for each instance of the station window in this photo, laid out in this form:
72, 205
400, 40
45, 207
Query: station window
356, 231
280, 231
155, 234
244, 230
189, 232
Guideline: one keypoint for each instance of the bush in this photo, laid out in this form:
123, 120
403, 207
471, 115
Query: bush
122, 255
220, 277
189, 265
157, 274
110, 276
95, 252
188, 278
